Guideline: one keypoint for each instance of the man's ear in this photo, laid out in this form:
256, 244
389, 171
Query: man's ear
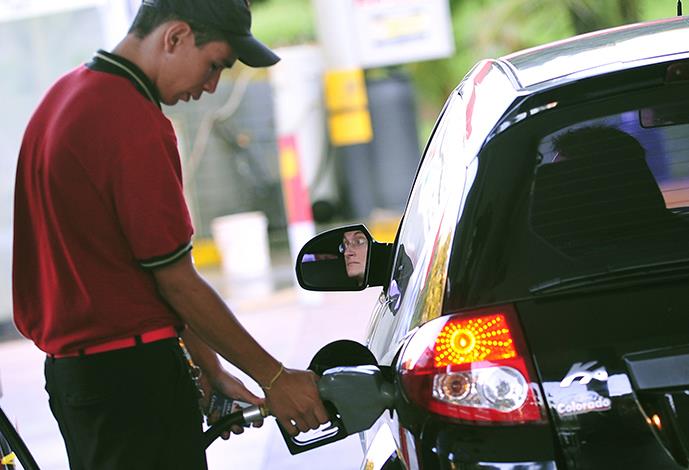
176, 33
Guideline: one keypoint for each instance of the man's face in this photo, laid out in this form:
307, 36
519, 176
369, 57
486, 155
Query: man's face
190, 70
355, 246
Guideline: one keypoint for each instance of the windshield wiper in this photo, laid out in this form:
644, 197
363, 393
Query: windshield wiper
615, 276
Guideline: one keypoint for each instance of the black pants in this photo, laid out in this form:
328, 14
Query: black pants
133, 408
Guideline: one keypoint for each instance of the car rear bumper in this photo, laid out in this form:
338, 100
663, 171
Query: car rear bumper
486, 447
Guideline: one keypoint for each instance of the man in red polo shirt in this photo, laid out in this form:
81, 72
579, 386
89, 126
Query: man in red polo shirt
103, 279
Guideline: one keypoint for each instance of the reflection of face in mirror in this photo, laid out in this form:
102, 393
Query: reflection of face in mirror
354, 247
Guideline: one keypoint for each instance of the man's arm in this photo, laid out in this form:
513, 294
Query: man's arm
292, 397
214, 376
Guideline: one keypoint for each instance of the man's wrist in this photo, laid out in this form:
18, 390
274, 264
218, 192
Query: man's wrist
271, 382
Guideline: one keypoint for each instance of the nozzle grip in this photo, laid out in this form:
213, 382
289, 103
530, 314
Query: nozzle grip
326, 434
355, 397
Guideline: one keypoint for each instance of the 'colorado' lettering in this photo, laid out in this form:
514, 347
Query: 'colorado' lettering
579, 407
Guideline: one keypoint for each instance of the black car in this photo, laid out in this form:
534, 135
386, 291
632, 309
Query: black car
534, 311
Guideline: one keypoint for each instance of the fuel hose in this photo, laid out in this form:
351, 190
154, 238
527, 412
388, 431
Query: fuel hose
21, 452
244, 417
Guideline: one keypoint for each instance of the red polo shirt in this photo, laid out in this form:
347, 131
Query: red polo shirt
98, 203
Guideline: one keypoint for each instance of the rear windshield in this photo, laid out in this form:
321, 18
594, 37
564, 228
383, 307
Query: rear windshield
614, 189
585, 196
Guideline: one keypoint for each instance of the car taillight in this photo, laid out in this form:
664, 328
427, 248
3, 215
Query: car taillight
472, 366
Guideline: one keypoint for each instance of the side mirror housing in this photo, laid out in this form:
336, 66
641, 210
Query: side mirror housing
343, 259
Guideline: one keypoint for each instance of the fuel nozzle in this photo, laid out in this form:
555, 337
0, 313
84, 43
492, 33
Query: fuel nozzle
355, 397
353, 389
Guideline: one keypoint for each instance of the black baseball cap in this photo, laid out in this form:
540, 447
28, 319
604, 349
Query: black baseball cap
231, 17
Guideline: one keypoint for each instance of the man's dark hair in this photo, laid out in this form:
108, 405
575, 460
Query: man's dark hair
147, 19
592, 141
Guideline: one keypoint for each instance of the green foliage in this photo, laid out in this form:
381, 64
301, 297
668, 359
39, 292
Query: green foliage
492, 28
482, 28
283, 22
488, 28
653, 9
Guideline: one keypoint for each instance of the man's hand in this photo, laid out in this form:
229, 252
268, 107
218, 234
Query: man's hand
231, 386
228, 385
293, 399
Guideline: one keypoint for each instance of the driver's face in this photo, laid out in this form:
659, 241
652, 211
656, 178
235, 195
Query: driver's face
355, 246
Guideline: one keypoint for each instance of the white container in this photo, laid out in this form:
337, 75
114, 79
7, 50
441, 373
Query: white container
242, 240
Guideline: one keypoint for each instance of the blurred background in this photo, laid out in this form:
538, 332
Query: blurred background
352, 102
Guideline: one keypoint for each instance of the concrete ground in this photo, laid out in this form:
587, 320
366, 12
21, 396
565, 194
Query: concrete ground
290, 324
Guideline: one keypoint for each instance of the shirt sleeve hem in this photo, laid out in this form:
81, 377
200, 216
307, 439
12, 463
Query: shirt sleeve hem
165, 260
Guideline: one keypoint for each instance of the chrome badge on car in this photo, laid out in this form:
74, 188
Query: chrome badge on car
583, 396
581, 403
583, 373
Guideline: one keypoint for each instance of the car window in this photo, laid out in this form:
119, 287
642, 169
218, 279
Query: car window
416, 290
424, 235
578, 196
613, 190
427, 205
417, 286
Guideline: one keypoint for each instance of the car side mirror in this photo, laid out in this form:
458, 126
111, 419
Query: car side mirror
343, 259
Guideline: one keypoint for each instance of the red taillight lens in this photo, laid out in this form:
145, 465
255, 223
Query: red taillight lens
472, 366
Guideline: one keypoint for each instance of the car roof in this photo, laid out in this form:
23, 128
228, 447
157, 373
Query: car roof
610, 49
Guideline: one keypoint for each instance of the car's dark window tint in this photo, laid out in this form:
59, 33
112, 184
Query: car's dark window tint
614, 211
609, 190
666, 148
